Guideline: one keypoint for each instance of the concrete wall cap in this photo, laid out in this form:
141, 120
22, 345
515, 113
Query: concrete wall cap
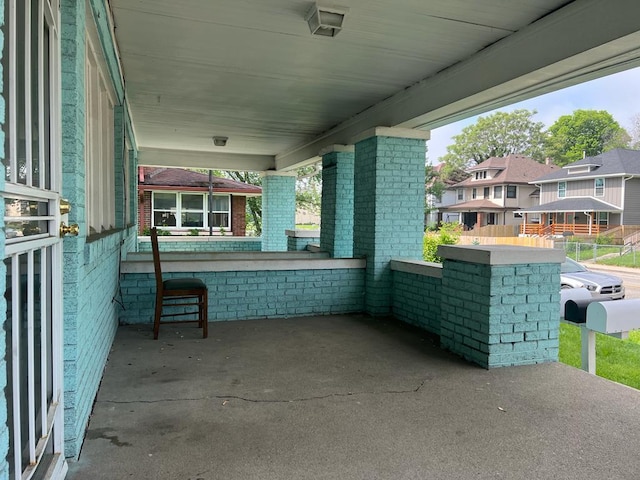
501, 254
302, 233
393, 132
417, 267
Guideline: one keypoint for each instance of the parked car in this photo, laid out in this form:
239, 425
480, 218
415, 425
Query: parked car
576, 275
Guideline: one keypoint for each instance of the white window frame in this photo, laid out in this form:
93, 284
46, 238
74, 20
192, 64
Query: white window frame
515, 187
496, 189
99, 138
460, 194
179, 210
562, 189
474, 194
600, 188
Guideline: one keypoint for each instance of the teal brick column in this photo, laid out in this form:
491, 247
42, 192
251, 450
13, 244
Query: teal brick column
119, 164
278, 209
389, 195
500, 304
336, 222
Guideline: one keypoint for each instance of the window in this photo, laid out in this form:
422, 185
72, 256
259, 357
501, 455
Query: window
99, 146
497, 191
473, 194
491, 218
486, 192
603, 218
460, 194
512, 191
481, 175
562, 189
188, 210
599, 187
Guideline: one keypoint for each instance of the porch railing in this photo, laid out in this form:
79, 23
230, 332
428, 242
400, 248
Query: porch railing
560, 229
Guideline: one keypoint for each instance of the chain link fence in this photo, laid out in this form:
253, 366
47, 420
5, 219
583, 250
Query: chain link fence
620, 255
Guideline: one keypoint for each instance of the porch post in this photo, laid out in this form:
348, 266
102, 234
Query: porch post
336, 221
389, 196
278, 209
500, 303
4, 446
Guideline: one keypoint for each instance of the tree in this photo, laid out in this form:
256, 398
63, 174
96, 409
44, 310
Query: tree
635, 132
254, 204
497, 135
584, 133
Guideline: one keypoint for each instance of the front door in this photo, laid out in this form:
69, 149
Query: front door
33, 248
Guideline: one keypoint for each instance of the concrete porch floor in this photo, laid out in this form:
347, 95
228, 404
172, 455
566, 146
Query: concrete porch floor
345, 397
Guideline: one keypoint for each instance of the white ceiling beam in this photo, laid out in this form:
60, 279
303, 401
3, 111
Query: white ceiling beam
584, 40
158, 157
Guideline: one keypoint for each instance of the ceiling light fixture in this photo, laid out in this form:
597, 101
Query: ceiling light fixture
325, 21
220, 141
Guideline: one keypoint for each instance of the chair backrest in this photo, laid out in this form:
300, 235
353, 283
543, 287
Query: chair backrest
156, 259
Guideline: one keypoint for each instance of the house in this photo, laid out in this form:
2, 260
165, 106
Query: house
588, 196
496, 189
177, 200
436, 202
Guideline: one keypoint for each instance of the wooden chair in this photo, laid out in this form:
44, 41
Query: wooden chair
177, 292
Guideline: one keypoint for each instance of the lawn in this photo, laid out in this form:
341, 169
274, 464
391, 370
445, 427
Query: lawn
617, 360
628, 260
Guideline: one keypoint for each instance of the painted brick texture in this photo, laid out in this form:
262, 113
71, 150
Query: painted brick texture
336, 232
416, 300
501, 315
214, 245
297, 244
256, 294
388, 210
278, 211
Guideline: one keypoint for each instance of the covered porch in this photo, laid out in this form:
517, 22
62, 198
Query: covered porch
345, 396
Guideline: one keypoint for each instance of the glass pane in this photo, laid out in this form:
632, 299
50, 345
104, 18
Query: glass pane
164, 201
220, 203
35, 97
192, 202
219, 220
164, 219
21, 94
17, 213
190, 219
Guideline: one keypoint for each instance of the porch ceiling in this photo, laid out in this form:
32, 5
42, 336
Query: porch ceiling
252, 71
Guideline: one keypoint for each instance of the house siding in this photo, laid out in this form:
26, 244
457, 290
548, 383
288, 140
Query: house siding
584, 188
631, 214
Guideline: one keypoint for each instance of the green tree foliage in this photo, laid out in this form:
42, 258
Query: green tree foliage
254, 204
448, 234
496, 135
309, 188
584, 133
635, 132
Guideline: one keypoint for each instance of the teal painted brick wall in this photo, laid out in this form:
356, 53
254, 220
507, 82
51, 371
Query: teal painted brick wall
256, 294
203, 246
501, 315
119, 164
389, 197
416, 300
336, 232
278, 211
91, 273
297, 244
4, 430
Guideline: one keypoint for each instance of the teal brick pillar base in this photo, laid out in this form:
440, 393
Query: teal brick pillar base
389, 197
278, 209
336, 227
500, 304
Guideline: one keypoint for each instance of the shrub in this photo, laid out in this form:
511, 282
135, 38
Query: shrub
448, 234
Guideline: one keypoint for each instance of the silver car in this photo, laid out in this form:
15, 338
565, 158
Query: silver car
575, 275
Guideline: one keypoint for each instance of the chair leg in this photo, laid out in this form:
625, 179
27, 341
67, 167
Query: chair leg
156, 320
204, 312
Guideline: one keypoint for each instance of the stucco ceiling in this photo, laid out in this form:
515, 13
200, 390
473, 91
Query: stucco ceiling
250, 70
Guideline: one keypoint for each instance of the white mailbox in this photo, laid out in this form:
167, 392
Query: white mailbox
614, 317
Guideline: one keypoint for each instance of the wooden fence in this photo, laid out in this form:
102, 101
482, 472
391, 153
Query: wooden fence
520, 241
493, 231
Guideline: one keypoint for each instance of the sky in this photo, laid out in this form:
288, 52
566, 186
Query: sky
618, 94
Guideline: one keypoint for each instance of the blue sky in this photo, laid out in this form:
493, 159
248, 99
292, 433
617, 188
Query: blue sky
618, 94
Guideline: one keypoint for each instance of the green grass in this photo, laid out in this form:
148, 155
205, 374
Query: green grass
307, 226
587, 253
617, 360
623, 261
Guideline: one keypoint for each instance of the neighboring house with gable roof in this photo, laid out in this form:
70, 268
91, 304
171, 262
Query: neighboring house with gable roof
177, 200
588, 196
496, 190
